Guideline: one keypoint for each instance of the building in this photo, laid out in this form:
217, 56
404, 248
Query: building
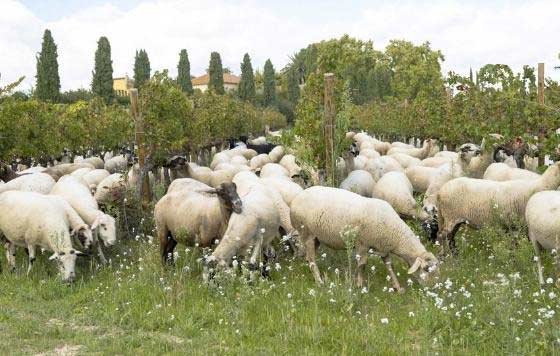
122, 85
231, 82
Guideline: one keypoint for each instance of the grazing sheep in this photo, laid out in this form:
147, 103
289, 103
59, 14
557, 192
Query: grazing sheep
96, 162
79, 197
79, 173
287, 188
239, 160
259, 161
380, 166
6, 173
419, 153
446, 154
502, 172
220, 157
274, 170
36, 169
36, 182
477, 202
29, 219
289, 162
111, 189
117, 164
359, 182
194, 216
476, 166
276, 154
543, 220
369, 153
395, 189
420, 177
94, 177
435, 162
326, 215
66, 168
405, 160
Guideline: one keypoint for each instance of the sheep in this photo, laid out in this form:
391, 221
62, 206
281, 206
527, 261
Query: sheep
359, 182
107, 156
328, 215
259, 161
369, 153
274, 170
420, 153
94, 177
380, 146
194, 216
111, 189
477, 201
542, 215
79, 197
289, 162
350, 135
261, 147
117, 164
476, 166
395, 189
502, 172
447, 154
36, 169
36, 182
379, 166
264, 212
6, 172
276, 154
287, 188
29, 219
239, 160
66, 168
96, 162
79, 173
398, 144
435, 162
420, 177
405, 160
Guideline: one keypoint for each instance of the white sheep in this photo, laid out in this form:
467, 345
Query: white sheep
117, 164
96, 162
289, 162
395, 189
191, 213
274, 170
359, 182
35, 182
29, 219
419, 153
276, 154
435, 162
94, 177
340, 219
382, 165
502, 172
404, 160
66, 168
369, 153
111, 189
478, 202
79, 197
420, 177
543, 220
79, 173
259, 161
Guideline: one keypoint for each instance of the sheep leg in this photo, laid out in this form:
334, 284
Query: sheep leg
100, 254
255, 256
389, 266
11, 255
538, 249
362, 262
166, 244
31, 251
310, 247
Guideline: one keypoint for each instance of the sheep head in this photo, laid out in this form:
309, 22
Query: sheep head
425, 268
227, 192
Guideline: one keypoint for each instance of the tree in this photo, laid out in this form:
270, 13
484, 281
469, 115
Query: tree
141, 68
293, 85
48, 80
184, 72
269, 84
102, 82
246, 89
216, 73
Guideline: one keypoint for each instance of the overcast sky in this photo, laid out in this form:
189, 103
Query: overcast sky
469, 33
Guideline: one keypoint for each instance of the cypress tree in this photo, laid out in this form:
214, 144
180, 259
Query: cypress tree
247, 83
141, 68
184, 72
48, 80
269, 84
102, 82
471, 75
216, 73
293, 85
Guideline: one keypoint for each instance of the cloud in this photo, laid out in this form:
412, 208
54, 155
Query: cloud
469, 34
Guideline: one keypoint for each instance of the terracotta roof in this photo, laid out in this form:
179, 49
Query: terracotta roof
228, 79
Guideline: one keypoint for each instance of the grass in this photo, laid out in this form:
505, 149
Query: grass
488, 301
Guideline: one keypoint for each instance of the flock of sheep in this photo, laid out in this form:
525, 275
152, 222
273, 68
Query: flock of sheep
255, 192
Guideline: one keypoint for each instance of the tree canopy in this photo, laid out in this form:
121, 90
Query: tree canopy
48, 81
184, 72
102, 82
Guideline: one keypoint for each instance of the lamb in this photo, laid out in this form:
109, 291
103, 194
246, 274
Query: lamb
502, 172
478, 202
117, 164
79, 197
542, 215
420, 177
263, 213
329, 215
36, 182
405, 160
289, 162
66, 168
111, 189
193, 214
420, 153
395, 189
359, 182
276, 154
259, 161
29, 219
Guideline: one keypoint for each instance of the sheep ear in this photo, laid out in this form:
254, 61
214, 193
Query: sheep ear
54, 256
81, 254
415, 265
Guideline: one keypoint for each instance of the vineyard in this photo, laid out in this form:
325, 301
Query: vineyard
485, 299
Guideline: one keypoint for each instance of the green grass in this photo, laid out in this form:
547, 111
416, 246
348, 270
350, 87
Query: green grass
487, 302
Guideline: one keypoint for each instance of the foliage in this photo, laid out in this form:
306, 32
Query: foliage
102, 82
216, 74
142, 69
246, 89
47, 87
269, 84
184, 72
292, 84
72, 96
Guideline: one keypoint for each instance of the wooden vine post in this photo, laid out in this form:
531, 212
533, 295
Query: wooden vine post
139, 138
540, 100
329, 126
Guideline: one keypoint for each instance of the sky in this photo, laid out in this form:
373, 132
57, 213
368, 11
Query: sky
469, 33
